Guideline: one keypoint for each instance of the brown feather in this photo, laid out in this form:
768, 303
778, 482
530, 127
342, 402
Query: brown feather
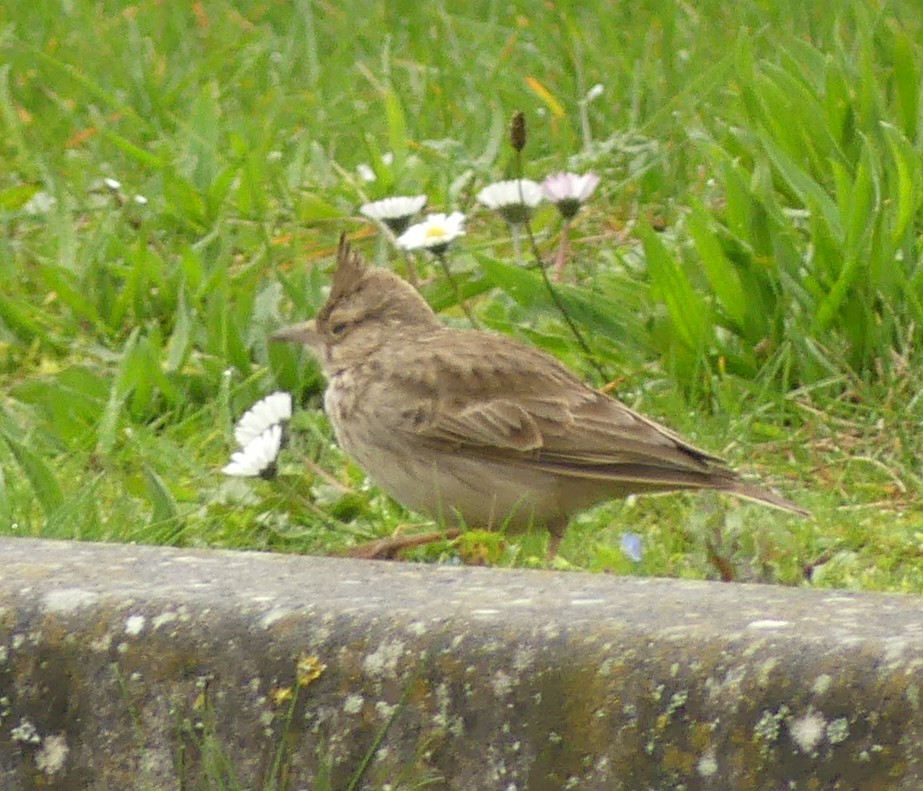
480, 429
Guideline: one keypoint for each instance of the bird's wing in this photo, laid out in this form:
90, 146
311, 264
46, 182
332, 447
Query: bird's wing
498, 424
514, 402
497, 399
590, 434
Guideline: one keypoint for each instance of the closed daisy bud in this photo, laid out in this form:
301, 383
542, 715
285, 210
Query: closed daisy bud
518, 131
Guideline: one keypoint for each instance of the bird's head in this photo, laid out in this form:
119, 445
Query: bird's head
366, 309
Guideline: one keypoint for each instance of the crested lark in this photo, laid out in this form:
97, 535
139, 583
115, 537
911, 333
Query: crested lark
477, 429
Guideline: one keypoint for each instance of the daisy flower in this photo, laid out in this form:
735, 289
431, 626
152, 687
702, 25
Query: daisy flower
396, 212
258, 456
568, 191
260, 432
435, 233
513, 199
276, 408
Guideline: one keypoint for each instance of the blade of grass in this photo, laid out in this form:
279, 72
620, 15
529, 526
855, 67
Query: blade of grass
42, 480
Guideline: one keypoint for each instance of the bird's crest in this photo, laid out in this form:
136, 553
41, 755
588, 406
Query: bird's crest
349, 270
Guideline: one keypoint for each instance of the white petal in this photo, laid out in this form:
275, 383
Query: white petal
436, 230
393, 208
515, 192
258, 455
275, 408
557, 187
585, 185
569, 186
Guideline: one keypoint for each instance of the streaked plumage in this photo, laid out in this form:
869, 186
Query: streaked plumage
477, 428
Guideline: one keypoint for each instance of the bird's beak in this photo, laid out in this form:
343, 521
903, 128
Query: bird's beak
304, 333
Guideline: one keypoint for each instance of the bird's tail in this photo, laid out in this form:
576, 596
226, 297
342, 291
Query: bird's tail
749, 491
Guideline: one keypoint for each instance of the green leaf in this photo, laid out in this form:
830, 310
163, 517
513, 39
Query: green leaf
41, 479
67, 287
807, 189
720, 272
119, 391
134, 152
908, 194
17, 196
181, 338
828, 309
591, 310
397, 128
313, 208
26, 321
163, 505
688, 311
907, 81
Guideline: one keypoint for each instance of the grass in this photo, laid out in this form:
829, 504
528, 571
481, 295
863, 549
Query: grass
749, 271
206, 759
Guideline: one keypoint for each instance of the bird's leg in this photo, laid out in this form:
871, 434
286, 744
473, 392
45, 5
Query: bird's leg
388, 548
554, 544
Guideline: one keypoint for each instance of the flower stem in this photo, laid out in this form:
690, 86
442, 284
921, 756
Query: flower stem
411, 271
459, 298
552, 292
517, 243
563, 248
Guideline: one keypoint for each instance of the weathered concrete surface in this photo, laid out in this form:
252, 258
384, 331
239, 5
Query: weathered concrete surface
135, 667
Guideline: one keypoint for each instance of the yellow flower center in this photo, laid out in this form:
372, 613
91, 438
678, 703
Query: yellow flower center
435, 231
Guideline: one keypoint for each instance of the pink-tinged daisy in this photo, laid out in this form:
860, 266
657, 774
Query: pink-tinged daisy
435, 233
514, 199
568, 191
395, 212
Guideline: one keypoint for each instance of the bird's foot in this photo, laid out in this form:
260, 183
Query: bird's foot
388, 548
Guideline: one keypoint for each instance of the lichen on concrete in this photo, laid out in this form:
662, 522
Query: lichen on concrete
129, 667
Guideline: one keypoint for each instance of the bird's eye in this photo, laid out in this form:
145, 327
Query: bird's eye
339, 328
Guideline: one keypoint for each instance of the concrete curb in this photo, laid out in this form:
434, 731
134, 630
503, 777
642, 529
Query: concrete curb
148, 668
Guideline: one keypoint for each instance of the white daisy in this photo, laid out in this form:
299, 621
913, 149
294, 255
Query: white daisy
514, 199
435, 233
569, 190
272, 410
258, 456
396, 212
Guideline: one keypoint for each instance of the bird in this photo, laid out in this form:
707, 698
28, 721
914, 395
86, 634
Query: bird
477, 429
